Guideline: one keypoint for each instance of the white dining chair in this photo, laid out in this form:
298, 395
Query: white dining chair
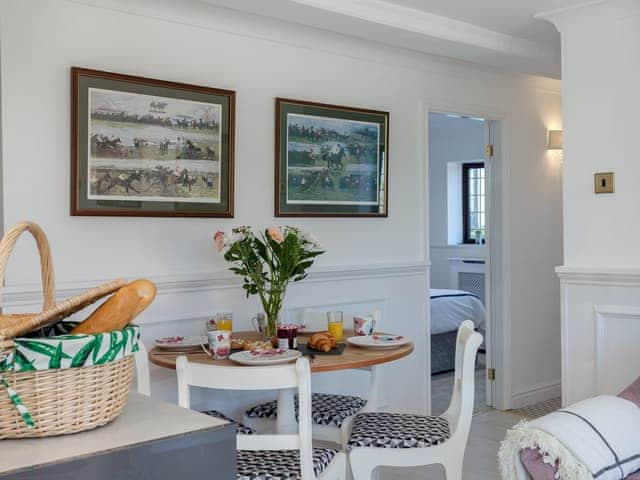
404, 440
331, 414
273, 455
143, 379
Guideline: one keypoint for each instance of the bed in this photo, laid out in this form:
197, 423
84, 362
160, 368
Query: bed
449, 308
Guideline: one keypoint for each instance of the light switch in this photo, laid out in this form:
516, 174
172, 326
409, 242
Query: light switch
604, 182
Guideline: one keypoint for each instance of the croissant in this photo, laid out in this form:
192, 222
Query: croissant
322, 341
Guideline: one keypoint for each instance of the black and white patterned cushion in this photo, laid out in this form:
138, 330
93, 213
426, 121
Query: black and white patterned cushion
397, 430
240, 428
279, 464
326, 409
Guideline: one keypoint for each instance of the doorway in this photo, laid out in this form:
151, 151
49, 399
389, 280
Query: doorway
461, 176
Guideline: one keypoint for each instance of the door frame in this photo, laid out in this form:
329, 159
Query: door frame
497, 235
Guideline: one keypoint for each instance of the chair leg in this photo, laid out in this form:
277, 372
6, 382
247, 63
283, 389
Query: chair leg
361, 469
453, 470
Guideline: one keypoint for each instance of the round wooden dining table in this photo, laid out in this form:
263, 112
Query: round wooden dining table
352, 358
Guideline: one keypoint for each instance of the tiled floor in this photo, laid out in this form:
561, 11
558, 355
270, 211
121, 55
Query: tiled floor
487, 431
538, 410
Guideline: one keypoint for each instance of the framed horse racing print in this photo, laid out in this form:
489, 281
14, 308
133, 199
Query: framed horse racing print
145, 147
331, 161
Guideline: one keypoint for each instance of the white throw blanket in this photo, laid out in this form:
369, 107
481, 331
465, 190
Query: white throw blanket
598, 438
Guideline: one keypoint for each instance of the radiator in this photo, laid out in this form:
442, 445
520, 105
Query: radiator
468, 274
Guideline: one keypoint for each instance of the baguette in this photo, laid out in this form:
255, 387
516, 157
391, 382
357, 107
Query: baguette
119, 309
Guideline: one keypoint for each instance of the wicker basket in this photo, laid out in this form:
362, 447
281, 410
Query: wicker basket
66, 400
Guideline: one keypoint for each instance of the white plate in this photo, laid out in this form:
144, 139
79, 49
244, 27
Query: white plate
378, 341
246, 358
172, 343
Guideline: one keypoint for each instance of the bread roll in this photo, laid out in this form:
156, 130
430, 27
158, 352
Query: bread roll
119, 309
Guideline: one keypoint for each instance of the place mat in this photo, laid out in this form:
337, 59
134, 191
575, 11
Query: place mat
339, 350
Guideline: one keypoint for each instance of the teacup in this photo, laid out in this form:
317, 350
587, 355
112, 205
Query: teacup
219, 343
258, 322
364, 325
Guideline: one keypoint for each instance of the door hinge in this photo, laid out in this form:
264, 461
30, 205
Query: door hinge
488, 151
491, 374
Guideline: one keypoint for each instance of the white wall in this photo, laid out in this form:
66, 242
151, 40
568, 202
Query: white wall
262, 59
601, 73
600, 276
452, 141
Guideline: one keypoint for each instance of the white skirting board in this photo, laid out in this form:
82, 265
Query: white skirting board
537, 394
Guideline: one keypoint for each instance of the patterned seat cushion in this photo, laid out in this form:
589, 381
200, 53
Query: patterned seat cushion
279, 464
397, 430
240, 428
326, 409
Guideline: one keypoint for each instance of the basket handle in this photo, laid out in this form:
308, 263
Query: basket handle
7, 245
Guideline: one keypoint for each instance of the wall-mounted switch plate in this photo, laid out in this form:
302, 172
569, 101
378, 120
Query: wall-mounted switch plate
604, 182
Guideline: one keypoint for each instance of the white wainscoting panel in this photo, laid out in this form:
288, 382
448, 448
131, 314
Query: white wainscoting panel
184, 302
600, 330
617, 358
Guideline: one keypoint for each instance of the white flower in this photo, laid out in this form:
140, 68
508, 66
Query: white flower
309, 238
233, 238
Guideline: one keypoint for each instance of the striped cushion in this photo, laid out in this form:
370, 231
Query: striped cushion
397, 430
279, 464
326, 409
240, 428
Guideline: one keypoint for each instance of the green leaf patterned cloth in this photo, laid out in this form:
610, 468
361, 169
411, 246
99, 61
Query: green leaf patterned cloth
70, 351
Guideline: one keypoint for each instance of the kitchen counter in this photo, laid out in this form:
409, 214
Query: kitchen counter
150, 440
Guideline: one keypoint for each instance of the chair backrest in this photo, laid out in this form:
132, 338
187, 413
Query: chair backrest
143, 380
277, 377
460, 409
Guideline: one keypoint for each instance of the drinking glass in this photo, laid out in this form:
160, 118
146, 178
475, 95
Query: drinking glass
334, 324
224, 321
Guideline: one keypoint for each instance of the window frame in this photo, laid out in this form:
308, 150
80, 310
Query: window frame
466, 234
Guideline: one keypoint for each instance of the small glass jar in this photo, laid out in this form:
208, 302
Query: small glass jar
287, 336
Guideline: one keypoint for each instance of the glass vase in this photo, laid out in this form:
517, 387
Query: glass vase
271, 325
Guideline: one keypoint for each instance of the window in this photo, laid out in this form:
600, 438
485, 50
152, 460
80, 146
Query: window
473, 202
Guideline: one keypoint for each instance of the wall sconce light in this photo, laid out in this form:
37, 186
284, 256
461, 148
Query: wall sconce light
554, 140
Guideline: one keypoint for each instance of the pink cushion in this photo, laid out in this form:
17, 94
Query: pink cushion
535, 466
532, 459
632, 392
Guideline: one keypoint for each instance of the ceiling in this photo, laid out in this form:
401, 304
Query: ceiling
500, 33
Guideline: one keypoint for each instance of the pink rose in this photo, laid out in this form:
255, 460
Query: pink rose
276, 234
218, 240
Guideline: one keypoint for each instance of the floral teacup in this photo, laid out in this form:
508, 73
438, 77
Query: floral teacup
364, 325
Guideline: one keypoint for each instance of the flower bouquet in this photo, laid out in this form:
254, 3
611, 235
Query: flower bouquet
268, 261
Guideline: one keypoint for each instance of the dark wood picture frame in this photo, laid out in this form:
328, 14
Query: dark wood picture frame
80, 78
281, 207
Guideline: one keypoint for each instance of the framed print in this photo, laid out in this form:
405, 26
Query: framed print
145, 147
331, 161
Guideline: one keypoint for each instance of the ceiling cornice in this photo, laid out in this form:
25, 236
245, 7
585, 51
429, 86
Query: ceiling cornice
380, 23
400, 26
428, 24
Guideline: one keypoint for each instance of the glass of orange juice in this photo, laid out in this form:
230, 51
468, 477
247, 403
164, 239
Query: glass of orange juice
224, 321
334, 324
